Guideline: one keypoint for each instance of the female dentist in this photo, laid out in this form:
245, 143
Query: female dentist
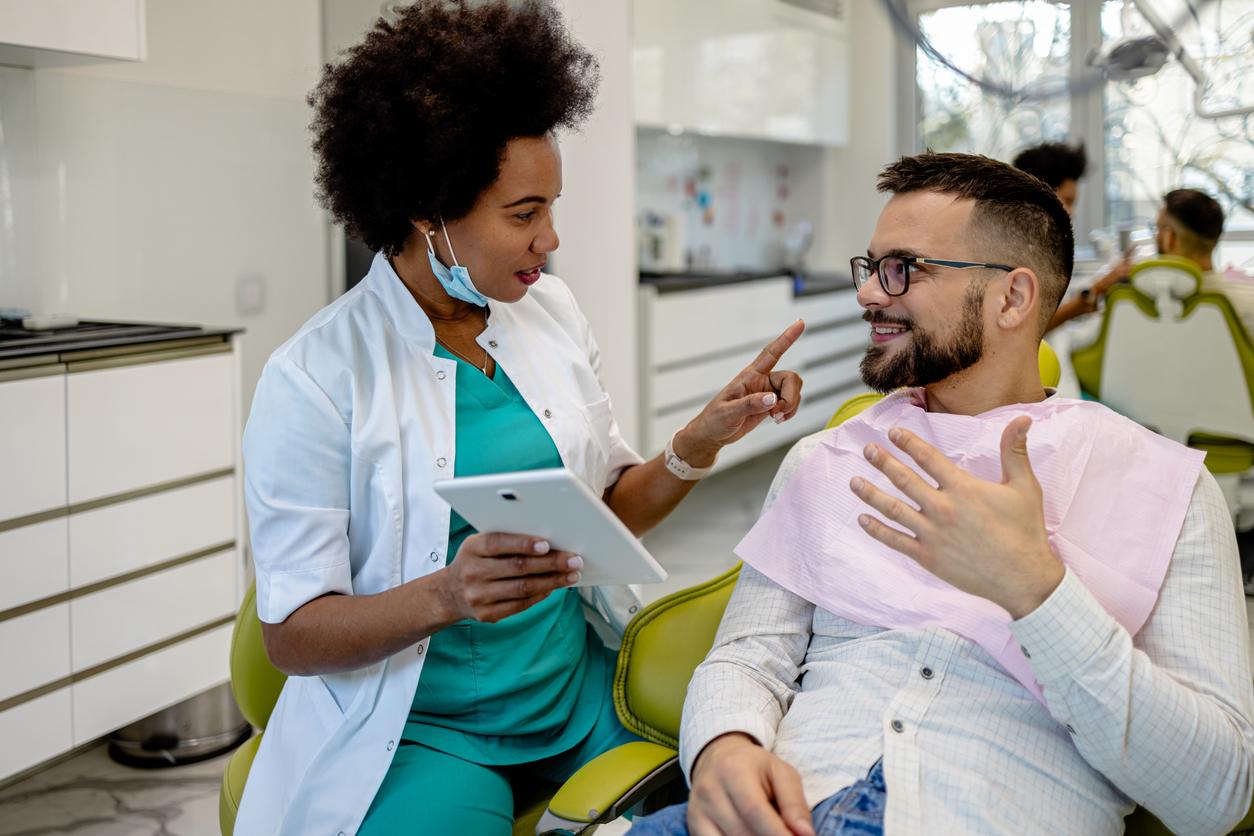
427, 661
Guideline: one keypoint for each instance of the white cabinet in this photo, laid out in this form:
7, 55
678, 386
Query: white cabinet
694, 341
119, 539
768, 69
32, 446
145, 424
36, 33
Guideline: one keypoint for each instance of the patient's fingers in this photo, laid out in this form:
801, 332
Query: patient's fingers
891, 537
790, 798
903, 478
890, 506
933, 461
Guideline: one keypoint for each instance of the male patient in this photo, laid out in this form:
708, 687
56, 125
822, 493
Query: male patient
976, 607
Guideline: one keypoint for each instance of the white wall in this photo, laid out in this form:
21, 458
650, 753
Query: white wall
150, 190
851, 204
596, 215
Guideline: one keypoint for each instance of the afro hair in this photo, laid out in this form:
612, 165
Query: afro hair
413, 123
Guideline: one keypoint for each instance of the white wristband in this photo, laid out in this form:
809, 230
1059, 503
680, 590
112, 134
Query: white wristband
681, 468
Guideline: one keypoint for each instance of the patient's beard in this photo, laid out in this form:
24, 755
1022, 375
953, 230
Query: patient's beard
925, 361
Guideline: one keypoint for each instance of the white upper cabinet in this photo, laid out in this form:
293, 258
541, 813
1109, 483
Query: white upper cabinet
767, 69
40, 33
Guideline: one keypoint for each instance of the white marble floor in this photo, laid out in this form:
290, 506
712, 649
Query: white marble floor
90, 795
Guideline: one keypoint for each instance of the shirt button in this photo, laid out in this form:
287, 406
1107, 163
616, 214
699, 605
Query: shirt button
926, 673
440, 375
435, 558
1070, 729
1026, 655
898, 726
391, 743
440, 462
491, 343
548, 413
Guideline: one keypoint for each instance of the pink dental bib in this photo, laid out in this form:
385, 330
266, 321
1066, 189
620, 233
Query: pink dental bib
1115, 496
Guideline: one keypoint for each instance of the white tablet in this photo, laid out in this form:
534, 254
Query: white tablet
555, 505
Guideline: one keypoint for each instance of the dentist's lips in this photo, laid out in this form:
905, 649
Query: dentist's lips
529, 277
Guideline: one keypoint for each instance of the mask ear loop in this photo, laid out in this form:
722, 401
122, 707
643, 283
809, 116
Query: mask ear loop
449, 241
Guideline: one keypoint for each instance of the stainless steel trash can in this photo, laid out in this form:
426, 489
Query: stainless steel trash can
194, 730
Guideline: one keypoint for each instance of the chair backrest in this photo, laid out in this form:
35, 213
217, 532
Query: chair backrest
662, 646
255, 682
1172, 358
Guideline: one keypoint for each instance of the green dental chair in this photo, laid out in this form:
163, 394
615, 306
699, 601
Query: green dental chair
649, 688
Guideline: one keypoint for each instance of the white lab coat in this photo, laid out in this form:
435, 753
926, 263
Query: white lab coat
352, 422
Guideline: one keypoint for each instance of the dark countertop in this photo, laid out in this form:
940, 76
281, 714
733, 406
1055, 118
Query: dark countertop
809, 284
95, 335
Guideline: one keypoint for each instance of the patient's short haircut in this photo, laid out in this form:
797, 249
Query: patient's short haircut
1199, 214
1019, 219
1053, 162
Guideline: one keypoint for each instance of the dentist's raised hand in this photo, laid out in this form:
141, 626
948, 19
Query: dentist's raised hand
757, 392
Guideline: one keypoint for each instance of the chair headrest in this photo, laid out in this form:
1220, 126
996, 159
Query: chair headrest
1166, 275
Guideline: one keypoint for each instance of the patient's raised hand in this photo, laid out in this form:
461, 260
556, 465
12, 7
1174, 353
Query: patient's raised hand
985, 538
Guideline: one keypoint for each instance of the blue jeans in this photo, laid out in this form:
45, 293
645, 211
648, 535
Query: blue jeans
857, 809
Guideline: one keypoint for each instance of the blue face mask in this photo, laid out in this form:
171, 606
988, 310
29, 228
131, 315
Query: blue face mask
455, 280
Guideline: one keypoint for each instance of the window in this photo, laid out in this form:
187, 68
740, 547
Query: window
994, 77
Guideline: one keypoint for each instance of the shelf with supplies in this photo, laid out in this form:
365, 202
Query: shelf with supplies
694, 341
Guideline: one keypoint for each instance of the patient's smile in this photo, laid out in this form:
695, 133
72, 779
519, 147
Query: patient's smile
886, 333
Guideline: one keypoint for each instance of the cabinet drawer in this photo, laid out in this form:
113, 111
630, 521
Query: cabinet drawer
34, 562
708, 322
143, 425
32, 446
135, 614
35, 731
112, 699
111, 541
34, 649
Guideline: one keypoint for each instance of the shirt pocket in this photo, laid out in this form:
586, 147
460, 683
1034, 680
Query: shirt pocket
599, 419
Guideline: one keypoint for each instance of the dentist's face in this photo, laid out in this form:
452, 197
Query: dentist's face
506, 238
937, 328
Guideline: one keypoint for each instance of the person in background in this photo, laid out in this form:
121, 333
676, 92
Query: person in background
1061, 166
429, 663
1189, 225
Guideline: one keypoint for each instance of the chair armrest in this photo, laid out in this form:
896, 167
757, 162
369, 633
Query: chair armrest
610, 785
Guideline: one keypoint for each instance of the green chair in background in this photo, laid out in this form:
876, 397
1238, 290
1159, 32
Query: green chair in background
1179, 361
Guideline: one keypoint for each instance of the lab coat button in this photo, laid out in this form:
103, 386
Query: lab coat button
492, 343
435, 558
440, 375
391, 743
420, 649
548, 413
440, 462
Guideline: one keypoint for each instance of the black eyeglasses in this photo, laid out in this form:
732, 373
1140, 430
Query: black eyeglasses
894, 270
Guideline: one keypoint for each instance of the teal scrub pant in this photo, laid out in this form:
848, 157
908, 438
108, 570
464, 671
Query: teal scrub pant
428, 791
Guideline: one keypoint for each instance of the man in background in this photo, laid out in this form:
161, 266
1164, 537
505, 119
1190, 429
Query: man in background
1061, 166
1190, 223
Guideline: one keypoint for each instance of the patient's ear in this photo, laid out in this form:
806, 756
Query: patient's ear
1020, 299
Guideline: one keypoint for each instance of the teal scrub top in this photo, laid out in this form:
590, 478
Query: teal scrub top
531, 685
